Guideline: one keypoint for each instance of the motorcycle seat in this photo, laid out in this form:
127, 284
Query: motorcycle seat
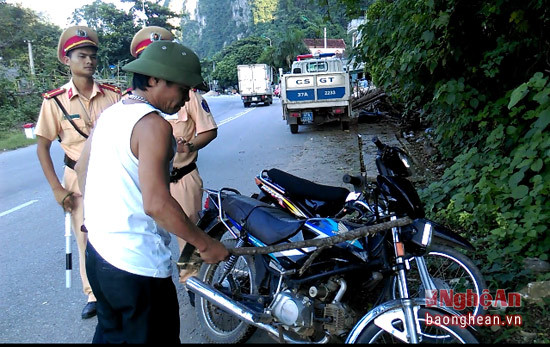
302, 188
268, 223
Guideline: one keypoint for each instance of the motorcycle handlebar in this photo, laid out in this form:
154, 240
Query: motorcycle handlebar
378, 143
356, 181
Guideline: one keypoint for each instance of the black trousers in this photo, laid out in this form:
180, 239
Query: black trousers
132, 308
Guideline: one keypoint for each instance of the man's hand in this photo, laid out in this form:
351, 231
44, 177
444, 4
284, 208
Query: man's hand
182, 145
66, 199
214, 252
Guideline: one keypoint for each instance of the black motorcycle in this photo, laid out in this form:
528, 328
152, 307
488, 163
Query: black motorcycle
447, 267
315, 280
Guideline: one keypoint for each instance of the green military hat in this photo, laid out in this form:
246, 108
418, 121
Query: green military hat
170, 61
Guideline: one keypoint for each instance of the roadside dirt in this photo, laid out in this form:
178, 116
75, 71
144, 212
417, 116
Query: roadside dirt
325, 159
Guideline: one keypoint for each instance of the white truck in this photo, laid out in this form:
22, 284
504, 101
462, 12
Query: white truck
255, 84
316, 91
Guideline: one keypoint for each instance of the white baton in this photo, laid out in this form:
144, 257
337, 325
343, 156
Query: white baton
68, 255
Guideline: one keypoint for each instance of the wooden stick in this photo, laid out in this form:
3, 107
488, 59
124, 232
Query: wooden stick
328, 241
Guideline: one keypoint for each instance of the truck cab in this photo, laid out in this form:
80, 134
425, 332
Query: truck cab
316, 91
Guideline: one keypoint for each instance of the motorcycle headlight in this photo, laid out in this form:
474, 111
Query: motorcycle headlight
419, 233
426, 235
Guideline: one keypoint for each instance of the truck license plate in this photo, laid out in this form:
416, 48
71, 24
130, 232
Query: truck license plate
307, 117
254, 98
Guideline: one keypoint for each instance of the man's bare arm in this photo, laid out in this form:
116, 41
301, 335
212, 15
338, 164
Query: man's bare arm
44, 156
204, 138
151, 143
199, 141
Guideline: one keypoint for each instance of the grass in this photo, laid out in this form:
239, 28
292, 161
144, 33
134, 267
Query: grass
12, 139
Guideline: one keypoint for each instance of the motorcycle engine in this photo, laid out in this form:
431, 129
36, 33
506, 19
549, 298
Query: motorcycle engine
293, 310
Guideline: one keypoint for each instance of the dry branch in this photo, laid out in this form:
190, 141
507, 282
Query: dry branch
329, 241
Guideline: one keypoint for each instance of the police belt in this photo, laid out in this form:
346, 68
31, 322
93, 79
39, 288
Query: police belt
69, 162
178, 173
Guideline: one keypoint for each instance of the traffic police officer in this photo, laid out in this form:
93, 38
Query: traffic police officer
68, 113
193, 127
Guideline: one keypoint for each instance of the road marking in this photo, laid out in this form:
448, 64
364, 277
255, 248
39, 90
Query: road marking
17, 208
227, 120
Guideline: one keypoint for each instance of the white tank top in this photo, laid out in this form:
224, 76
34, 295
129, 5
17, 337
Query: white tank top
118, 227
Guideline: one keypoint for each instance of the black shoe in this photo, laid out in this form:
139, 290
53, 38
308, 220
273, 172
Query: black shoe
89, 310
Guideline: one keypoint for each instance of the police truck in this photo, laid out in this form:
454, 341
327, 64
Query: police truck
316, 91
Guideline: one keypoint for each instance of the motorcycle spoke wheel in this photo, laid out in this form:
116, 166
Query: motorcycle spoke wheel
220, 326
432, 334
449, 269
218, 319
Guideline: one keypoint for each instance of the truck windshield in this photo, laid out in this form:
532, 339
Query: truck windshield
318, 66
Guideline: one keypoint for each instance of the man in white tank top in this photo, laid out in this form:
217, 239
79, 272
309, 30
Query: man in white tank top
128, 207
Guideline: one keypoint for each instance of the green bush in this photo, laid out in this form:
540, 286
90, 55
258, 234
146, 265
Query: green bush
498, 192
470, 70
24, 110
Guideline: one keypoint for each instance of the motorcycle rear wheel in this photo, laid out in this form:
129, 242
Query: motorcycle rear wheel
218, 325
432, 334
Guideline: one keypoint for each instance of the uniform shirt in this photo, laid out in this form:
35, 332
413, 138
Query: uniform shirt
84, 112
118, 227
194, 118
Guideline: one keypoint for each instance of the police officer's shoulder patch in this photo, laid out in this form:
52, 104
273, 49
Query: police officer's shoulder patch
204, 105
127, 91
110, 87
54, 92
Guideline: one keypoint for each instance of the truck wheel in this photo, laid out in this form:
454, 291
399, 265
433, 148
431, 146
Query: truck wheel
246, 104
294, 128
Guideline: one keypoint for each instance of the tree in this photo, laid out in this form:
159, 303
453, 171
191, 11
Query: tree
116, 28
223, 22
20, 90
155, 13
478, 74
245, 51
20, 25
291, 45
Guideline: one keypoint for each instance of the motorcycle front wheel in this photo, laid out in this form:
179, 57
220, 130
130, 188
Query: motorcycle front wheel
449, 270
429, 333
218, 325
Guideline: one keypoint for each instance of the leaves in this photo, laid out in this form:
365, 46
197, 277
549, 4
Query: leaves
427, 36
543, 120
520, 191
518, 94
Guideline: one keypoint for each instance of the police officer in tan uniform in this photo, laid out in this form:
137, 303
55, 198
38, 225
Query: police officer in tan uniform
68, 114
193, 127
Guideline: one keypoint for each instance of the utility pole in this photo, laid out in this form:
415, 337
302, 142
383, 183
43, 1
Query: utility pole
31, 59
270, 67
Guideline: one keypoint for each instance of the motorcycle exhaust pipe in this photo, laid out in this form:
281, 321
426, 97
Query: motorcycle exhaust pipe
237, 309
